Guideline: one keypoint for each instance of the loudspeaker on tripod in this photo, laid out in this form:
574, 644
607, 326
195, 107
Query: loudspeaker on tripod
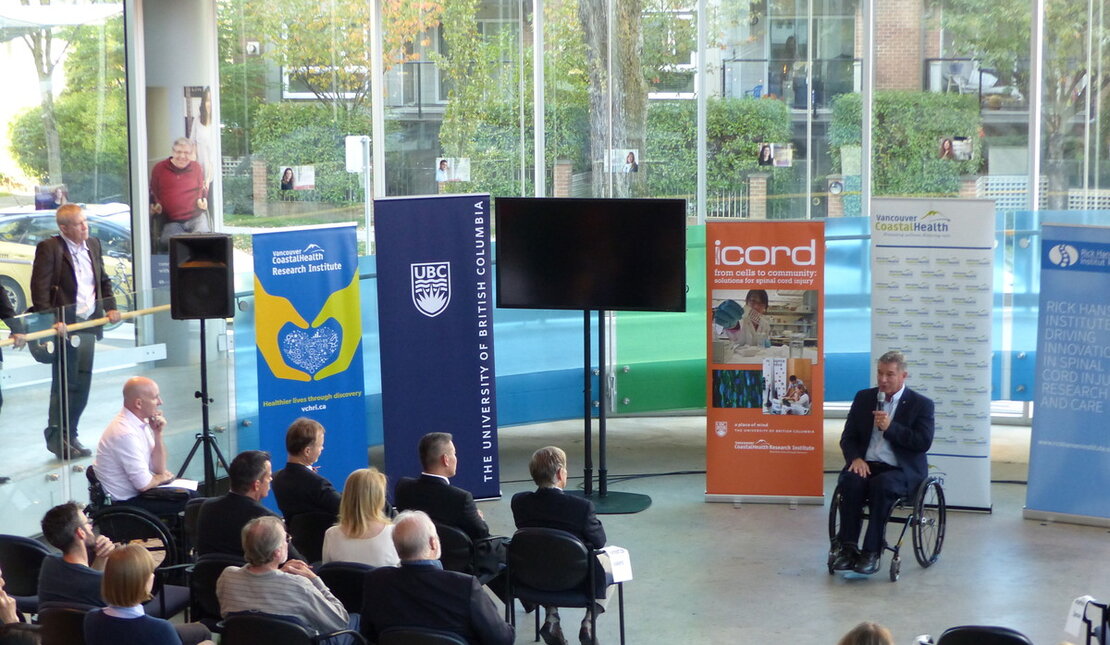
201, 277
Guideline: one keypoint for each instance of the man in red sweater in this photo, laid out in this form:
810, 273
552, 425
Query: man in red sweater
177, 193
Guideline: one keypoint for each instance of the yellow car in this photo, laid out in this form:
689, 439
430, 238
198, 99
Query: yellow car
22, 228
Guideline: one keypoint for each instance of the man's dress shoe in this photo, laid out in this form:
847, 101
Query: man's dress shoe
845, 559
552, 633
868, 563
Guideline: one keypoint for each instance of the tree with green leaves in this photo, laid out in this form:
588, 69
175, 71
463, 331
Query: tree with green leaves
998, 33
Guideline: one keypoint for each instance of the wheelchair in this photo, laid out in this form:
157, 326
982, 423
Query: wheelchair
925, 521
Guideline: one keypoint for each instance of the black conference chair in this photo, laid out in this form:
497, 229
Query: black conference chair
553, 567
307, 531
345, 580
459, 553
20, 559
982, 635
204, 605
189, 525
62, 624
126, 524
98, 499
418, 636
260, 628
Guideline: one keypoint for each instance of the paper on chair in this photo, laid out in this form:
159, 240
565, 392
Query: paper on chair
1076, 613
621, 563
189, 484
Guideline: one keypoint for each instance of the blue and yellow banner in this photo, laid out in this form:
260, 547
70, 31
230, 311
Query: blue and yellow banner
1069, 453
308, 329
435, 317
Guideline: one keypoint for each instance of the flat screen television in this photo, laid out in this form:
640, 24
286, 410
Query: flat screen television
591, 254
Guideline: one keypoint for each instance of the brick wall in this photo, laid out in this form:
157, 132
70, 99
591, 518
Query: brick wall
898, 45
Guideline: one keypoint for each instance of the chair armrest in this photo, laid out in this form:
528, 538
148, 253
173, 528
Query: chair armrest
359, 638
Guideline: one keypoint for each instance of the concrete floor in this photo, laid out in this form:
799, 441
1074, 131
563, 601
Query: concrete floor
719, 573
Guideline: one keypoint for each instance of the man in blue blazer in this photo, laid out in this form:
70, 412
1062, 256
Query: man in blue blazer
884, 445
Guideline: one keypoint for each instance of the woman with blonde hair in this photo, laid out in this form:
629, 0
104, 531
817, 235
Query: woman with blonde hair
128, 579
364, 533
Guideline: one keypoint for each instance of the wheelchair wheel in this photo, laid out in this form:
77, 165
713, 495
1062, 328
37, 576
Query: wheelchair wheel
929, 514
834, 514
834, 528
895, 567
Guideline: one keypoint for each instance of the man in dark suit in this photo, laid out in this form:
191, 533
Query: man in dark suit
549, 507
420, 593
221, 519
884, 445
433, 493
68, 279
297, 487
15, 327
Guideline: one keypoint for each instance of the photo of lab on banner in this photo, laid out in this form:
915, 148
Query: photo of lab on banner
765, 377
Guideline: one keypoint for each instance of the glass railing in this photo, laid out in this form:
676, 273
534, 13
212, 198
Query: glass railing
146, 342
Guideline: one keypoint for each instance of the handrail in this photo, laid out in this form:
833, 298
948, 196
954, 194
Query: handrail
87, 324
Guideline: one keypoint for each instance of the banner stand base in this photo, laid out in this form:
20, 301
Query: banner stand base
766, 499
1065, 518
612, 503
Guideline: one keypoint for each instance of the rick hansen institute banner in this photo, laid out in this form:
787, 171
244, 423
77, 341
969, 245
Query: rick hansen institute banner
435, 316
308, 327
1069, 452
766, 380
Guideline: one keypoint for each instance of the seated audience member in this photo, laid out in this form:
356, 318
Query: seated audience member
12, 631
128, 579
433, 493
364, 533
420, 593
131, 455
267, 585
297, 487
221, 519
867, 633
549, 507
75, 575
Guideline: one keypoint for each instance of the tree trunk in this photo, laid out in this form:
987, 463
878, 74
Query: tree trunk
624, 88
40, 42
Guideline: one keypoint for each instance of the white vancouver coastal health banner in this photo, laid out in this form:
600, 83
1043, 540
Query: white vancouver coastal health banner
931, 282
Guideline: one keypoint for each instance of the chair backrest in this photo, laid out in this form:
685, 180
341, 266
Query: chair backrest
127, 524
982, 635
192, 514
202, 584
307, 531
20, 559
345, 580
418, 636
548, 559
62, 625
98, 499
456, 549
259, 628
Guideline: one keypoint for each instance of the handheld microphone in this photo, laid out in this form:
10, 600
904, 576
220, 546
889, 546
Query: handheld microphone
881, 402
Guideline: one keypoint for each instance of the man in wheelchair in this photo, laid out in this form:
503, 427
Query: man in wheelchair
888, 431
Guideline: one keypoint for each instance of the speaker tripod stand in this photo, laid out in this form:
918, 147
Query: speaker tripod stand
204, 437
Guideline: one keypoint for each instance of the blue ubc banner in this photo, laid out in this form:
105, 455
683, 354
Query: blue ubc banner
1069, 454
308, 329
435, 317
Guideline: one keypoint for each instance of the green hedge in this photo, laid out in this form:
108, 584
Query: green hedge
907, 129
294, 134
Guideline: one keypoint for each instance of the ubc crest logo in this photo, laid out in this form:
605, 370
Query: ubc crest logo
431, 287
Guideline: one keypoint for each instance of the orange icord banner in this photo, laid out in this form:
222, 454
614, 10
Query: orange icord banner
765, 380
